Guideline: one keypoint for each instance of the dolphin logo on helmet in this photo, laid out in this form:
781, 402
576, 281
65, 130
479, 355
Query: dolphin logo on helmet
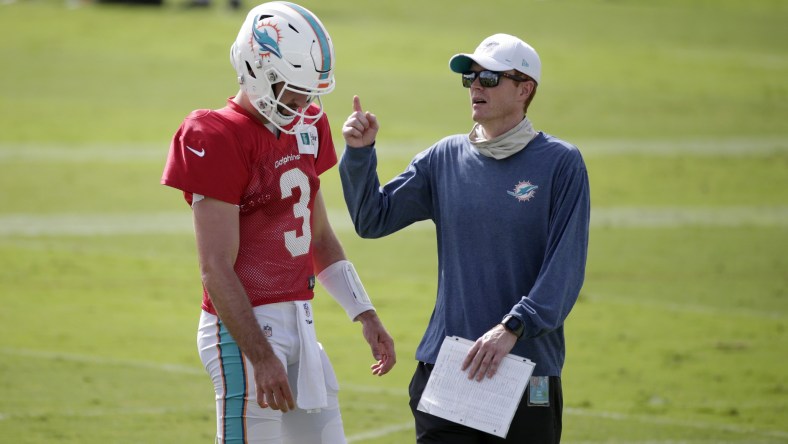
266, 42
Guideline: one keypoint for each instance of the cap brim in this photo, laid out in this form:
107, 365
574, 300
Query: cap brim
461, 63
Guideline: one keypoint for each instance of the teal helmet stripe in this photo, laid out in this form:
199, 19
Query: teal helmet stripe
322, 38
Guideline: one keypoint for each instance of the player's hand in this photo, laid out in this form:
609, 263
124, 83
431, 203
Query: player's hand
361, 128
273, 390
487, 353
379, 341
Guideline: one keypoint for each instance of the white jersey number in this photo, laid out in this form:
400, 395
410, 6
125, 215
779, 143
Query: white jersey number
295, 178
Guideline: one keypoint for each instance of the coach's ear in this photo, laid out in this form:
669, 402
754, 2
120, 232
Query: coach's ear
526, 88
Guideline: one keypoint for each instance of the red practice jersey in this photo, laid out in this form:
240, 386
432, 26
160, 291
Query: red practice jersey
228, 154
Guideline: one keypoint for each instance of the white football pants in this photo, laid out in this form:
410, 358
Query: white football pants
239, 419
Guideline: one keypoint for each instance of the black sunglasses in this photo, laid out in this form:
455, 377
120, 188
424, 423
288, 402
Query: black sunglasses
488, 79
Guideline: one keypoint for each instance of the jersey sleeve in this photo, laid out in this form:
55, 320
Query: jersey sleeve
206, 158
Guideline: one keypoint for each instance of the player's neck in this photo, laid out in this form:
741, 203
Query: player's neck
243, 101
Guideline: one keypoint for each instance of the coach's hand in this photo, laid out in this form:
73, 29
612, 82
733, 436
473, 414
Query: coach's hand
361, 127
380, 342
487, 353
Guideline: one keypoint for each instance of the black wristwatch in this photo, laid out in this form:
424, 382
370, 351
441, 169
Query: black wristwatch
514, 325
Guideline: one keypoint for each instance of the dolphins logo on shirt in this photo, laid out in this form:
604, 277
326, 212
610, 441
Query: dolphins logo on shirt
523, 191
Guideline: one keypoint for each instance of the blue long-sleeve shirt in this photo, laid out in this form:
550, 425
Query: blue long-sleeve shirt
512, 235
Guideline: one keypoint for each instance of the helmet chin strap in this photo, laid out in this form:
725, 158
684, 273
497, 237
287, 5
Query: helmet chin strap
276, 118
283, 119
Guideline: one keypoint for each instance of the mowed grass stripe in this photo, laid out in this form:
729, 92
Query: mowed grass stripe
109, 224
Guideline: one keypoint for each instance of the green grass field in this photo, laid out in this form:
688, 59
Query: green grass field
680, 108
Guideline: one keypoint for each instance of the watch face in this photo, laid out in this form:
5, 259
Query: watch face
514, 325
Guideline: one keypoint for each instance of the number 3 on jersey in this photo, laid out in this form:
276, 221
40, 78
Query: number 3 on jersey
290, 180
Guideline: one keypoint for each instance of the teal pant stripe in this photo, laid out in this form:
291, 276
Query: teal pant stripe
234, 387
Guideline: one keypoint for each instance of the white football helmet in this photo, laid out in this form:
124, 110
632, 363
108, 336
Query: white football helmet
283, 42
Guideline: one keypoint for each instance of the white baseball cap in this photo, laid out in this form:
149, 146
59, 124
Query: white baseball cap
501, 52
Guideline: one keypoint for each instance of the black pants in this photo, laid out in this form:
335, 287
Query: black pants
531, 425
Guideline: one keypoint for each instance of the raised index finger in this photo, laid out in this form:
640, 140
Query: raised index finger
357, 104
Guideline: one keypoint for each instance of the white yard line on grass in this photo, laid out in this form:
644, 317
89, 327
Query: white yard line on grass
674, 217
375, 390
108, 153
95, 224
722, 147
109, 224
744, 440
380, 432
359, 437
117, 152
89, 413
164, 367
99, 360
717, 147
745, 430
686, 308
